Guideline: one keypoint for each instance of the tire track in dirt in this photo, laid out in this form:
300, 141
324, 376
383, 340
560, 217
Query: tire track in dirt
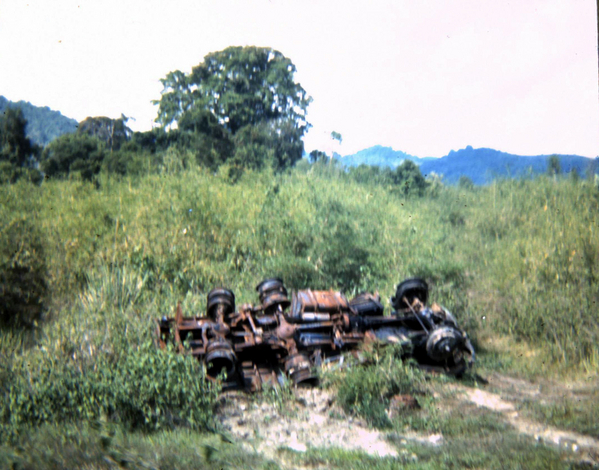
518, 390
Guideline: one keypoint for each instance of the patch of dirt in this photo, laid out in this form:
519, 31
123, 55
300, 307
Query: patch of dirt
312, 421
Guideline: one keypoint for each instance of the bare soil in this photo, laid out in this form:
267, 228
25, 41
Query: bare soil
313, 419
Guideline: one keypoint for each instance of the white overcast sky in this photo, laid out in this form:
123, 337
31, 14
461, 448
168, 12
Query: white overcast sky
420, 76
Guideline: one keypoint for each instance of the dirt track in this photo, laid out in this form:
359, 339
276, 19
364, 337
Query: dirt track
314, 420
508, 392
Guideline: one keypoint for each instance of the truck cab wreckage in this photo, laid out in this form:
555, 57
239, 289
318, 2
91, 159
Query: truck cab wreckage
261, 344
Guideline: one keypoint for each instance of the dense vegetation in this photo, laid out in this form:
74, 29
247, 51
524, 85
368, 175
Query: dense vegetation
126, 225
512, 260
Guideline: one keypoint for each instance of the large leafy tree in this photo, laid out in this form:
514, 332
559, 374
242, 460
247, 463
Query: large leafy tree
175, 100
248, 90
239, 85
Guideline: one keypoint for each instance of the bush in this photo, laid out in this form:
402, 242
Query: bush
135, 163
73, 153
366, 390
23, 272
145, 389
408, 179
466, 183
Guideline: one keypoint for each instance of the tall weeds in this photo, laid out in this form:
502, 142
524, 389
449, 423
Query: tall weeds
516, 258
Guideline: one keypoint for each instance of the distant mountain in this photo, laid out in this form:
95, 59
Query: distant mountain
380, 156
484, 165
43, 124
480, 165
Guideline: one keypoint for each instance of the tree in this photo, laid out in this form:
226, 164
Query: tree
176, 98
15, 147
72, 153
409, 178
371, 174
337, 138
553, 166
112, 132
276, 143
241, 87
16, 150
200, 132
317, 156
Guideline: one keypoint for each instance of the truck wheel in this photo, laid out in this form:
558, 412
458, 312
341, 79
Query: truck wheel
412, 288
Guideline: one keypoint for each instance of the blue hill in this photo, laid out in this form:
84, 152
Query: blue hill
480, 165
380, 156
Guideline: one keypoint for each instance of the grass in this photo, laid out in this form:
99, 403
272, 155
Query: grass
103, 446
500, 452
577, 413
516, 261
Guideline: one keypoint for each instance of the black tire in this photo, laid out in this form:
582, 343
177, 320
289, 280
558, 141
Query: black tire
412, 288
220, 296
273, 292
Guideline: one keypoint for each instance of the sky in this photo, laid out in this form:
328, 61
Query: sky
421, 76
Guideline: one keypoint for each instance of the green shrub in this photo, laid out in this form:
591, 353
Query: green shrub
73, 153
366, 390
23, 272
408, 179
144, 389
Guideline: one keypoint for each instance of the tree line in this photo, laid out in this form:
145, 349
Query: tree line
240, 106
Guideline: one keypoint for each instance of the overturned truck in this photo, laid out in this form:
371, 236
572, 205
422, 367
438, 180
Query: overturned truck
255, 345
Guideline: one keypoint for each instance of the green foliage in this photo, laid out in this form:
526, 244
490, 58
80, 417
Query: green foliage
100, 359
580, 414
200, 132
530, 271
130, 162
23, 271
408, 178
242, 93
176, 98
275, 143
73, 153
144, 389
336, 136
371, 175
102, 445
16, 150
366, 390
111, 132
554, 167
248, 85
317, 156
545, 242
500, 451
15, 147
515, 259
